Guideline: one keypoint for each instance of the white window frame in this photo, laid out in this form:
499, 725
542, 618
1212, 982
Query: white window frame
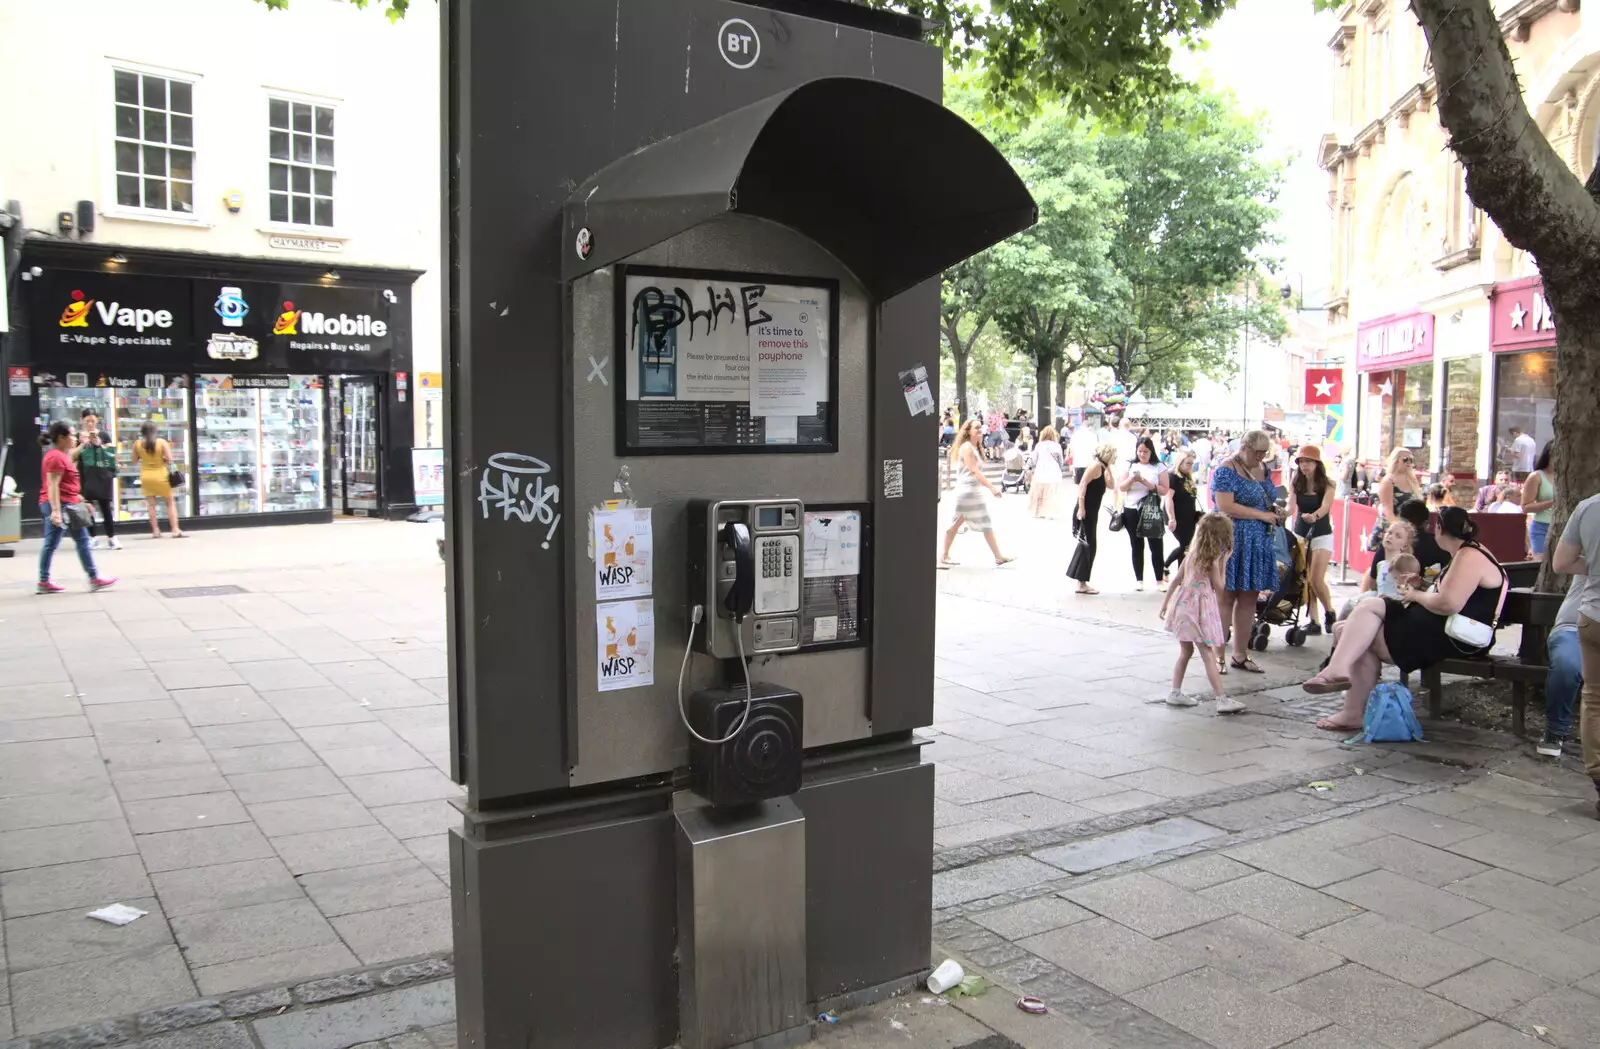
269, 95
109, 208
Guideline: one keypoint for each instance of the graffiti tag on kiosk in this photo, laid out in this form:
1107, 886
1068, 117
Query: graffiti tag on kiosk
514, 484
659, 313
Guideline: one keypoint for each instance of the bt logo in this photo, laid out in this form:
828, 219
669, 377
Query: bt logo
739, 43
231, 307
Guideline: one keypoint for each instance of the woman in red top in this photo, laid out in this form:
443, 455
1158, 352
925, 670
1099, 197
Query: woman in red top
60, 491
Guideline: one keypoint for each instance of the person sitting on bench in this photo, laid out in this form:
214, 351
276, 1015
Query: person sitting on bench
1566, 671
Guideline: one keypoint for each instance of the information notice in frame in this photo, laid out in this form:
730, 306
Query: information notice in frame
831, 602
725, 362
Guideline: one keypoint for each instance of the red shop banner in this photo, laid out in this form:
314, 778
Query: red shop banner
1394, 342
1522, 317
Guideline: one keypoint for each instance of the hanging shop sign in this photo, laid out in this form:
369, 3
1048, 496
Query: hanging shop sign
1523, 319
112, 320
1394, 342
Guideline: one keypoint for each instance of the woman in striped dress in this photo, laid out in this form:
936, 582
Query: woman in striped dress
971, 505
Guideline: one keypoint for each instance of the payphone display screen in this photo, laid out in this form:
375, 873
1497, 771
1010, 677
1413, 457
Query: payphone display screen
725, 362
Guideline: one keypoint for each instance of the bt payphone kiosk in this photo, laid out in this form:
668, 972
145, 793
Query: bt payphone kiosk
726, 267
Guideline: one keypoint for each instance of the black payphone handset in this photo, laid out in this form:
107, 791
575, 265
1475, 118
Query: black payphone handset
741, 595
746, 569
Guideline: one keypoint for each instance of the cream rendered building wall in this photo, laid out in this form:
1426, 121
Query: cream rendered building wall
383, 80
1405, 236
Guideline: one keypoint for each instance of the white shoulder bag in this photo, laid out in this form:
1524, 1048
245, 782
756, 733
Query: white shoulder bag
1469, 633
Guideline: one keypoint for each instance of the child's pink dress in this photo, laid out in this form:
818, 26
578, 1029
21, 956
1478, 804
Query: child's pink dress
1194, 615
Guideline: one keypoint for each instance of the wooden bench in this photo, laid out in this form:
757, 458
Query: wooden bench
1527, 671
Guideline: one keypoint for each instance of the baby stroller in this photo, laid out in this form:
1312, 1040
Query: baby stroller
1015, 477
1283, 607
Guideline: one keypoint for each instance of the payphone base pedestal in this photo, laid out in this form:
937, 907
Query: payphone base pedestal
741, 924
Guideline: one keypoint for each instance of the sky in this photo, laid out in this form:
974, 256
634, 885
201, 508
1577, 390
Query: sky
1273, 56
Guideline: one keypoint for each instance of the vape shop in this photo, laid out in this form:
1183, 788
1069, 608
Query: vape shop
282, 389
1394, 362
1523, 340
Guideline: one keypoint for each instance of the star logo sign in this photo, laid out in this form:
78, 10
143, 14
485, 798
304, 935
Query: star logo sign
1324, 387
1517, 315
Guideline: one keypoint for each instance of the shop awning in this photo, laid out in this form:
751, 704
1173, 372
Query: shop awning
894, 185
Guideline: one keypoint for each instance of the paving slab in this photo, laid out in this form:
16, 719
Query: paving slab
92, 989
1220, 1009
46, 846
1385, 1010
1146, 904
85, 883
1492, 988
1280, 903
1395, 949
374, 887
1109, 955
214, 937
1526, 857
1031, 917
1421, 906
226, 886
989, 878
1571, 1016
1120, 846
1263, 957
1294, 859
202, 847
1507, 891
1527, 945
1489, 1035
1414, 860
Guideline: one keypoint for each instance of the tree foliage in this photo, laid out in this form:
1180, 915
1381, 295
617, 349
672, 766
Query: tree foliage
1045, 281
1196, 208
394, 9
1109, 58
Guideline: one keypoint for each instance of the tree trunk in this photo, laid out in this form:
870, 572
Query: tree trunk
1516, 176
960, 356
1041, 386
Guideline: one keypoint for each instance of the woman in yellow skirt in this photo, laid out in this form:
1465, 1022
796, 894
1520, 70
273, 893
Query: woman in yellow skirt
155, 464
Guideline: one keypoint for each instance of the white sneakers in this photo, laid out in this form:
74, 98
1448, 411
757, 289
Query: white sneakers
1224, 704
115, 543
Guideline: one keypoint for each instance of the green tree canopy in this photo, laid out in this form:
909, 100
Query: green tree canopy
1195, 210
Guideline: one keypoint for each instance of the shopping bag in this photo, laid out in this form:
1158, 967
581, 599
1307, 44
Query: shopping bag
1152, 517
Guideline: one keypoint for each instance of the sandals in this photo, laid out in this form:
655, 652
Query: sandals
1246, 664
1001, 562
1086, 590
1322, 688
946, 563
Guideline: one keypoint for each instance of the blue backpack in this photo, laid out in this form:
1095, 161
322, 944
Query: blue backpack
1389, 717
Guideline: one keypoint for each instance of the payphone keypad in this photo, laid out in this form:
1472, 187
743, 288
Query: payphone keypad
779, 587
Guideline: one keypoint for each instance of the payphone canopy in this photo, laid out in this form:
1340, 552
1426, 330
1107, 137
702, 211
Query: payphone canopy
894, 185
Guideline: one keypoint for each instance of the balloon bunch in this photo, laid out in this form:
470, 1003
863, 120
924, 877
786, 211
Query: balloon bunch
1111, 402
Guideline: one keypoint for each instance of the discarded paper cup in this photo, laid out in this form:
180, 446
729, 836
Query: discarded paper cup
947, 975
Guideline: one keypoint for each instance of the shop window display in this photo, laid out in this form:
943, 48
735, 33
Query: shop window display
1524, 397
1396, 407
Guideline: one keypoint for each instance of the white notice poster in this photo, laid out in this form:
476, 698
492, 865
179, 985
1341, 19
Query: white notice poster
623, 553
833, 543
788, 366
627, 644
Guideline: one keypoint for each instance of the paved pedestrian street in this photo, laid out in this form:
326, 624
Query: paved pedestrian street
264, 772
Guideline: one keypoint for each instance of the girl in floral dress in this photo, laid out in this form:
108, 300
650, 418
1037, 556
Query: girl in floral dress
1192, 612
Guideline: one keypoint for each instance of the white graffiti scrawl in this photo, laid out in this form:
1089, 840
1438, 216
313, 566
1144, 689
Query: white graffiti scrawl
514, 484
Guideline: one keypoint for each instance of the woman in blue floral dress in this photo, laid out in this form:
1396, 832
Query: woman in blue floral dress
1241, 489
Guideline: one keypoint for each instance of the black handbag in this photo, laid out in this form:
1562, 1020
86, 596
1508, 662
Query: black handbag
1078, 567
177, 478
1116, 522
